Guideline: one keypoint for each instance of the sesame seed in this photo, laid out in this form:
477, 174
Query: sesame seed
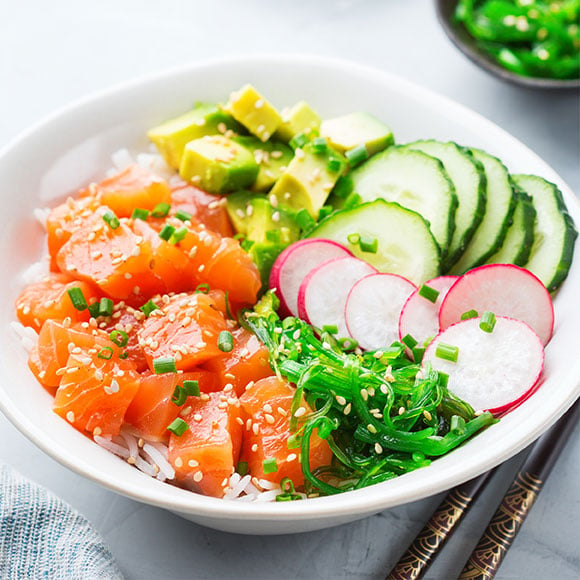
276, 216
197, 417
254, 447
427, 415
239, 420
70, 417
193, 463
248, 424
364, 394
372, 429
223, 405
282, 411
347, 409
97, 431
292, 457
269, 418
543, 54
401, 410
179, 462
256, 428
197, 476
201, 268
259, 104
273, 200
299, 154
522, 24
378, 448
340, 400
300, 412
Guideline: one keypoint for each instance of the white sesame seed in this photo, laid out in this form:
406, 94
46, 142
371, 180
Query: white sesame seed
364, 394
372, 428
292, 457
193, 463
254, 447
70, 417
427, 415
300, 412
347, 409
401, 410
340, 400
269, 418
378, 448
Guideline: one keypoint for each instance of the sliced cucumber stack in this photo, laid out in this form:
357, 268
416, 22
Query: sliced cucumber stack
499, 209
554, 232
414, 180
519, 238
468, 177
405, 244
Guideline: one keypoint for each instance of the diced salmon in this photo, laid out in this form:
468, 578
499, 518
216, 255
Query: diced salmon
152, 410
186, 328
248, 361
206, 455
207, 208
267, 404
94, 392
49, 299
116, 260
134, 187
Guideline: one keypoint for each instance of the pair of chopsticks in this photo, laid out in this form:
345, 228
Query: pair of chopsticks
493, 545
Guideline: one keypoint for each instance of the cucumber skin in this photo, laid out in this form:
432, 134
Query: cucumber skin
570, 235
529, 217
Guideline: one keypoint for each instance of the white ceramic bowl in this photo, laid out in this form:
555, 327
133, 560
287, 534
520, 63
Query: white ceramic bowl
74, 147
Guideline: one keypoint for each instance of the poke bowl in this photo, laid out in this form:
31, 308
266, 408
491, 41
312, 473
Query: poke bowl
74, 147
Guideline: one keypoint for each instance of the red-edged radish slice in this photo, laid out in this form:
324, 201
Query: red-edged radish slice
494, 370
373, 308
294, 263
420, 316
322, 294
505, 290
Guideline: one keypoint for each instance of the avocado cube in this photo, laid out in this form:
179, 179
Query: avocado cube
254, 112
171, 137
300, 118
218, 164
350, 131
272, 158
264, 255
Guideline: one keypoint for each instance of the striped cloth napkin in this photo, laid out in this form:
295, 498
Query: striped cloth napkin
42, 537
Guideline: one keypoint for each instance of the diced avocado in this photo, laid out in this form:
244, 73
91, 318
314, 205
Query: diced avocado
254, 112
350, 131
309, 178
264, 255
272, 158
218, 164
300, 118
171, 137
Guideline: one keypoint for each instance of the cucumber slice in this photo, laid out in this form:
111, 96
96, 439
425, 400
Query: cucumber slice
554, 232
414, 180
520, 236
499, 209
406, 245
468, 177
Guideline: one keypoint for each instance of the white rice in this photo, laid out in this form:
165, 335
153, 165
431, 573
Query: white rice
26, 334
41, 215
34, 273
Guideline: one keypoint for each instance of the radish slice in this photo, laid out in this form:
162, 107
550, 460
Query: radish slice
420, 316
505, 290
294, 263
494, 371
373, 308
322, 294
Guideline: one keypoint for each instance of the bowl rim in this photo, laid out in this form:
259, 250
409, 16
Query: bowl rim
362, 502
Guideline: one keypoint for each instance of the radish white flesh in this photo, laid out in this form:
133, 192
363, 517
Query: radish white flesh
494, 371
420, 316
373, 308
505, 290
322, 294
294, 263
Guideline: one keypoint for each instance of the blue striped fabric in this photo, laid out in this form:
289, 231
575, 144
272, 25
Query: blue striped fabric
41, 537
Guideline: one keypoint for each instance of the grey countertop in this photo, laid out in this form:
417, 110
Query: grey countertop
53, 52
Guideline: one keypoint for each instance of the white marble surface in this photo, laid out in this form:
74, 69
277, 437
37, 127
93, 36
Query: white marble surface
53, 52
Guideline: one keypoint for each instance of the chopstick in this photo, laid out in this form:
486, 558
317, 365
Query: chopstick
491, 549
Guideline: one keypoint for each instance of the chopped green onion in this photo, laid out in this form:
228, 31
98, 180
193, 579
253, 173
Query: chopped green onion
357, 155
429, 293
106, 307
191, 388
447, 352
273, 236
298, 141
164, 364
487, 322
469, 314
287, 485
148, 308
369, 244
242, 468
246, 244
178, 235
347, 343
124, 355
457, 424
161, 210
140, 214
269, 466
443, 378
179, 396
77, 298
319, 145
418, 353
409, 341
304, 219
294, 441
330, 328
228, 308
111, 219
119, 337
225, 341
182, 215
333, 165
178, 427
202, 289
94, 309
352, 200
105, 353
166, 232
353, 239
343, 187
325, 211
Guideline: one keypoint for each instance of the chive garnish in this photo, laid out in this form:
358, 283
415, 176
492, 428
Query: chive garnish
148, 308
178, 427
354, 239
111, 219
457, 424
429, 293
94, 309
369, 244
179, 396
352, 200
319, 145
191, 388
105, 307
409, 341
304, 219
330, 328
347, 343
487, 322
183, 215
469, 314
333, 165
77, 298
140, 214
105, 353
164, 365
269, 466
160, 210
228, 309
443, 378
178, 235
225, 341
202, 289
357, 155
166, 232
242, 468
324, 211
298, 141
418, 353
124, 355
119, 337
447, 352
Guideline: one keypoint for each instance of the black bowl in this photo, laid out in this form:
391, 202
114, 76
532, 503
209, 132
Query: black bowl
468, 46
